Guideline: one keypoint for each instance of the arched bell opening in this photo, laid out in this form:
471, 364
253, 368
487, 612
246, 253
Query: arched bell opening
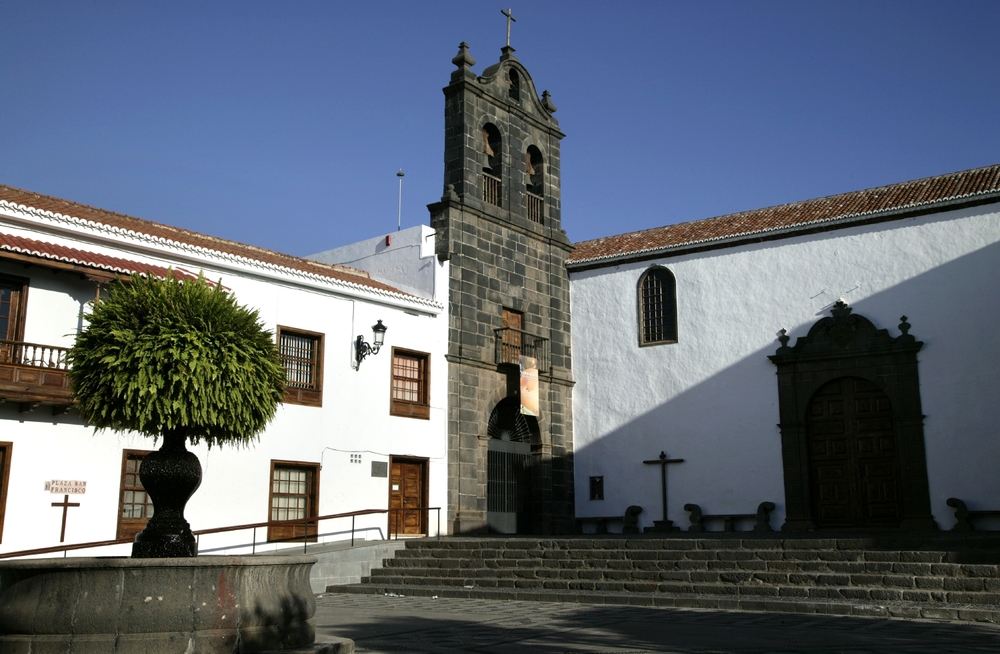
492, 165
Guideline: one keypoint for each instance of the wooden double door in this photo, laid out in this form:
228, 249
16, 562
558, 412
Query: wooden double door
853, 458
407, 496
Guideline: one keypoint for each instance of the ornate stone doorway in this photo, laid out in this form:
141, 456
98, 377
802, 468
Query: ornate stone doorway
864, 467
853, 462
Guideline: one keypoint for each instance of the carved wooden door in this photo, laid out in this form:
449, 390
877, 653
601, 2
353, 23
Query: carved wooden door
407, 494
853, 462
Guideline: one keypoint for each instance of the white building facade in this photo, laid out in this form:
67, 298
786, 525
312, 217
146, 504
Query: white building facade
350, 435
678, 349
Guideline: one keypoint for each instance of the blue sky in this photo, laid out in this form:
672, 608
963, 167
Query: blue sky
282, 124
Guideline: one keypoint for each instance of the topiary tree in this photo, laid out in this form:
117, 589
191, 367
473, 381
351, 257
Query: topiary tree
181, 360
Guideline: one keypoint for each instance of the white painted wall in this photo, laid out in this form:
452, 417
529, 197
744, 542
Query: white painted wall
404, 259
354, 418
712, 398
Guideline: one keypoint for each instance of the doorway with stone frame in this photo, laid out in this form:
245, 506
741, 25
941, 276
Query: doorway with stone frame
863, 467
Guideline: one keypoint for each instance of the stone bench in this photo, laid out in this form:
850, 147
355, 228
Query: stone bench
630, 521
762, 518
965, 517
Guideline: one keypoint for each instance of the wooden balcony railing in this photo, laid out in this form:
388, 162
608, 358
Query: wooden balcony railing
512, 344
491, 189
31, 373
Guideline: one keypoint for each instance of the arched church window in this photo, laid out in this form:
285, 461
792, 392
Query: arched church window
534, 184
657, 307
514, 90
492, 174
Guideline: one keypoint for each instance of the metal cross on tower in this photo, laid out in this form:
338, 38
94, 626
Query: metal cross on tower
510, 18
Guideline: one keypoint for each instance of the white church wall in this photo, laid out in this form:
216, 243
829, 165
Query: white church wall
354, 417
712, 398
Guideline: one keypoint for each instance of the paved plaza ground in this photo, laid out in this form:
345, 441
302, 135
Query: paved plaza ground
422, 624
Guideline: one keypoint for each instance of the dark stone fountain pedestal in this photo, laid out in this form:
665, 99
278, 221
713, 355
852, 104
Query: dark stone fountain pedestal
205, 604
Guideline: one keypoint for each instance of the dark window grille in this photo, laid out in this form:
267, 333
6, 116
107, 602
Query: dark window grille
300, 356
658, 307
536, 208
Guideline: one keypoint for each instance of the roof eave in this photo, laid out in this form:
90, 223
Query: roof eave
917, 208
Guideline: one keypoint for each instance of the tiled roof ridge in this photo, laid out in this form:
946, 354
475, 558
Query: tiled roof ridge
46, 250
351, 277
925, 191
170, 228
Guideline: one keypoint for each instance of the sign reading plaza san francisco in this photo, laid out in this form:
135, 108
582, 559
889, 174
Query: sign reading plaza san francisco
66, 487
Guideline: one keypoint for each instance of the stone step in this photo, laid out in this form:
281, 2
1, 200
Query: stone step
546, 566
942, 542
903, 589
930, 610
747, 553
943, 578
953, 582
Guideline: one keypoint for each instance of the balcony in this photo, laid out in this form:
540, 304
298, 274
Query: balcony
491, 189
33, 374
536, 207
512, 344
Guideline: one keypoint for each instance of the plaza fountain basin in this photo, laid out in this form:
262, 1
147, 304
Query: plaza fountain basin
204, 604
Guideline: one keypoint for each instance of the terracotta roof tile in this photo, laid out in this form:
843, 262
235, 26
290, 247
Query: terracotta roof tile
928, 191
158, 230
44, 250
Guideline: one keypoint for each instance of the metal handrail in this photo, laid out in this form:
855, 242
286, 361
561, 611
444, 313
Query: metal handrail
252, 525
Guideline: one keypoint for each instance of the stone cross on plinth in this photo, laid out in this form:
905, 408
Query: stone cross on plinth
65, 504
664, 524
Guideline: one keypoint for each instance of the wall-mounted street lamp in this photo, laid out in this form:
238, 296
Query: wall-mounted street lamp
363, 349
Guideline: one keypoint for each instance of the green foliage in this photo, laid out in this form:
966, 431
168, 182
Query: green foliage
170, 356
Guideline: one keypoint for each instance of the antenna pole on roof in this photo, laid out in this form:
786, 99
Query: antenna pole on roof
399, 209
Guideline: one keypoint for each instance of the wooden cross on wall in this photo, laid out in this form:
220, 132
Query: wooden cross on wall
65, 504
662, 461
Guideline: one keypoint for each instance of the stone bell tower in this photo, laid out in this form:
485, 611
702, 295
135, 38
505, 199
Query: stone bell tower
500, 225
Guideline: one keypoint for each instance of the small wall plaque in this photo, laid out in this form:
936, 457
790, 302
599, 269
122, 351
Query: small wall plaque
66, 487
380, 468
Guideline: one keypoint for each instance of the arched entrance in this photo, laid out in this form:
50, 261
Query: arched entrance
508, 474
853, 458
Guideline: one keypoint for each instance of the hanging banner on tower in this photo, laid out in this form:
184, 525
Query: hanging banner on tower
529, 386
